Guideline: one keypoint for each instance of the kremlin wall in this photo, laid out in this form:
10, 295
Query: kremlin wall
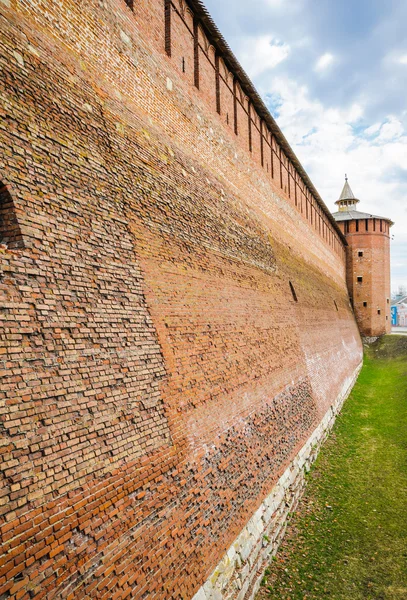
177, 334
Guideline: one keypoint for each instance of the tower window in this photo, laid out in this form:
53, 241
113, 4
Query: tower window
293, 292
365, 304
183, 64
360, 253
346, 226
388, 300
336, 306
367, 224
359, 279
387, 318
378, 311
357, 225
381, 225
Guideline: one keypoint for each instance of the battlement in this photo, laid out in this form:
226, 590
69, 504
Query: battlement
192, 38
185, 32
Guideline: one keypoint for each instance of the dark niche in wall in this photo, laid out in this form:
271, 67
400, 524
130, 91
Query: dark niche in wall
10, 232
293, 292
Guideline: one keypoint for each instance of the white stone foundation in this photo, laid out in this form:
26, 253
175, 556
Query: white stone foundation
239, 573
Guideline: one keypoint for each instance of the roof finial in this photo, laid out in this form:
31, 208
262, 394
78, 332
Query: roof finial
346, 177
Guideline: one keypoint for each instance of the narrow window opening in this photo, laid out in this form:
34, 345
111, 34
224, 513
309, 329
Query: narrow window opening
336, 306
272, 157
388, 300
360, 279
10, 232
235, 106
217, 83
196, 53
227, 118
167, 11
378, 311
357, 225
346, 226
183, 64
381, 225
387, 318
250, 126
360, 253
367, 224
293, 292
365, 304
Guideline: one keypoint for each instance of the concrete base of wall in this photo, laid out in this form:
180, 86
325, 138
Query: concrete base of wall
238, 575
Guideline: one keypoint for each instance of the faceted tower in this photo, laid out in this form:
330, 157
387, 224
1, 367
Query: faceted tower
367, 263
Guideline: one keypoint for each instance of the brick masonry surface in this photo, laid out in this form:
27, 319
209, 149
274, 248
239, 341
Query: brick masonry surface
175, 316
238, 575
368, 273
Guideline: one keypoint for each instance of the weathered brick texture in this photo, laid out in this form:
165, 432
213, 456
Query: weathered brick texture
157, 374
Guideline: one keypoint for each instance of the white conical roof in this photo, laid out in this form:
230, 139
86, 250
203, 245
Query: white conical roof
347, 193
347, 207
347, 198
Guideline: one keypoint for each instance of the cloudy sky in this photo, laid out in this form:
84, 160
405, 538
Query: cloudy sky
334, 75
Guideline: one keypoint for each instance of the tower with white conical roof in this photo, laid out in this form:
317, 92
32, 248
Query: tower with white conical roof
367, 263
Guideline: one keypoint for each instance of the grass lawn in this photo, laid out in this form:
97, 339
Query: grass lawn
348, 539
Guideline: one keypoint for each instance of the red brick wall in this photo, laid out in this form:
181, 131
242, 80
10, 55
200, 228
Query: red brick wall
368, 257
158, 374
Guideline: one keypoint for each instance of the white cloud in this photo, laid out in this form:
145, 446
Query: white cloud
355, 112
288, 6
394, 57
276, 3
390, 130
324, 62
262, 53
338, 95
328, 144
372, 130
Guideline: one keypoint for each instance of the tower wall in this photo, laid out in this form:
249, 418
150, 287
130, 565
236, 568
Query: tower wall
176, 324
368, 257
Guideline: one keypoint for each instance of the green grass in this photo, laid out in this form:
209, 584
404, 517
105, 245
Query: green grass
348, 539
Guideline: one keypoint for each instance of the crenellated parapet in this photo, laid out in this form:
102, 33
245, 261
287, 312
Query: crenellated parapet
203, 57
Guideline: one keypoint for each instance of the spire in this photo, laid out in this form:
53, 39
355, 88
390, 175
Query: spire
347, 199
